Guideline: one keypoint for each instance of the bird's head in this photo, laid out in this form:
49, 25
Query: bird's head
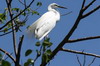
54, 6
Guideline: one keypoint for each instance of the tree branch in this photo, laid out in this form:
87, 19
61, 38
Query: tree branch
19, 50
92, 11
79, 52
5, 33
92, 61
83, 4
83, 39
10, 56
86, 7
17, 15
78, 60
12, 23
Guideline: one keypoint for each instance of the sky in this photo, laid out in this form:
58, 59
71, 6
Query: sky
87, 27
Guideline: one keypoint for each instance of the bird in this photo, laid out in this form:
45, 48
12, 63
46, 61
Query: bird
42, 26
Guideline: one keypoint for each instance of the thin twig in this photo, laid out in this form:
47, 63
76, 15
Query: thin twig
9, 55
83, 39
92, 61
86, 7
79, 52
78, 60
92, 11
84, 60
5, 33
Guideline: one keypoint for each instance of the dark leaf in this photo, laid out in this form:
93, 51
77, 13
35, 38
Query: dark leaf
37, 44
35, 12
39, 4
49, 51
5, 63
2, 16
45, 58
29, 62
28, 52
5, 30
15, 9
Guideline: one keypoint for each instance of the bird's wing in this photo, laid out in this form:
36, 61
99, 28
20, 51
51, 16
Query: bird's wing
40, 22
45, 26
44, 18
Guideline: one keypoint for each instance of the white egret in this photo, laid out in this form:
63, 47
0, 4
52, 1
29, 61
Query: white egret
41, 27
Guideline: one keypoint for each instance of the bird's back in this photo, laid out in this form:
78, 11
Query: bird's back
49, 18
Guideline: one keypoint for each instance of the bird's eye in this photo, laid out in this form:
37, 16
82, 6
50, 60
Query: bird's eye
56, 5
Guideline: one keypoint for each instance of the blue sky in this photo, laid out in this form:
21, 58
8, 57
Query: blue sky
87, 27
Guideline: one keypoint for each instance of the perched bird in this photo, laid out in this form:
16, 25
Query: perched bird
41, 27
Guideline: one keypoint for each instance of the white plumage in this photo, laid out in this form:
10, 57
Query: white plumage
41, 27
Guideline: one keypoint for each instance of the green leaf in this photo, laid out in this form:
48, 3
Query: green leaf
9, 25
2, 16
47, 43
15, 9
24, 13
35, 12
28, 9
29, 62
45, 58
5, 30
39, 3
38, 44
5, 63
28, 52
49, 52
47, 39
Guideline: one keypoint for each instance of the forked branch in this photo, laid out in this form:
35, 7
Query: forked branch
10, 56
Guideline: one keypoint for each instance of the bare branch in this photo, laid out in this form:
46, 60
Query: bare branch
12, 23
92, 11
78, 60
92, 61
17, 15
19, 50
23, 3
86, 7
79, 52
83, 4
10, 56
83, 39
84, 60
5, 33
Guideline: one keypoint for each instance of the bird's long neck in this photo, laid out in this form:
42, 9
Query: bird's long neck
56, 12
